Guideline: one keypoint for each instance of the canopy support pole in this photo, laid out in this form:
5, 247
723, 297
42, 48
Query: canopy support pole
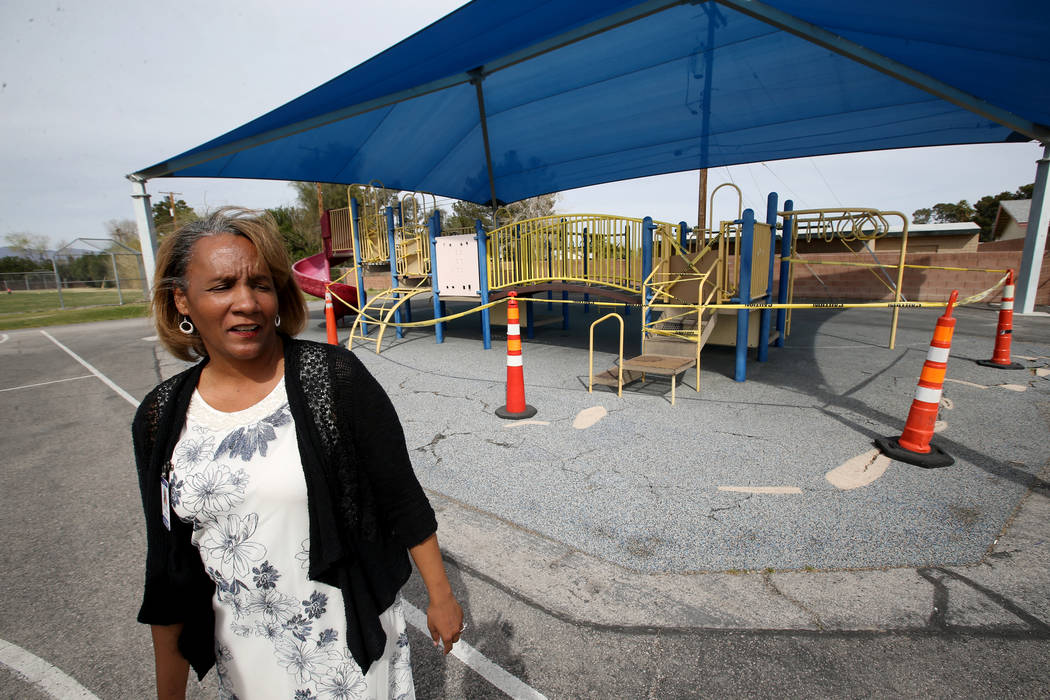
1035, 236
147, 232
485, 138
853, 51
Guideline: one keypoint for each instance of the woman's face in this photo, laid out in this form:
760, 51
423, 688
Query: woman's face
230, 298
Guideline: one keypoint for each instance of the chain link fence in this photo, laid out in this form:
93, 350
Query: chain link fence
99, 272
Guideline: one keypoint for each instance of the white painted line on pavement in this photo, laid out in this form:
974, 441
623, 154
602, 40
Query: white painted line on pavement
762, 489
39, 673
150, 337
56, 381
497, 676
3, 337
104, 379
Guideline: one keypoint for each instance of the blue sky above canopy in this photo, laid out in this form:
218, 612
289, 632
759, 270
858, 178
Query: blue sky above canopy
678, 87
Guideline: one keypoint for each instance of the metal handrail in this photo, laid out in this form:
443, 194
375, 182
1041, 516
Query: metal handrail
619, 362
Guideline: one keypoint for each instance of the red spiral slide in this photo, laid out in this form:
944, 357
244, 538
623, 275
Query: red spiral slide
312, 275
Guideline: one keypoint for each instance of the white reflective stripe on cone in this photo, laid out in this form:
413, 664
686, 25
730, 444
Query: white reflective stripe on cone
514, 361
1007, 305
927, 395
513, 329
1008, 291
937, 354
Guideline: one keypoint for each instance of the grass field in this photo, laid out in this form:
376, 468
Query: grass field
30, 309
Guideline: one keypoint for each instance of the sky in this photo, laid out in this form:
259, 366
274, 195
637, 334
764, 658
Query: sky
92, 91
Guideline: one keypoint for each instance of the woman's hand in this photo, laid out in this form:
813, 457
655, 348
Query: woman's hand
445, 621
444, 615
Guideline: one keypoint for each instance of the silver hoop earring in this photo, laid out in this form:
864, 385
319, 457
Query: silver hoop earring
277, 320
186, 326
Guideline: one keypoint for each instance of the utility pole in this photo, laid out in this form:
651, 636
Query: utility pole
701, 202
171, 207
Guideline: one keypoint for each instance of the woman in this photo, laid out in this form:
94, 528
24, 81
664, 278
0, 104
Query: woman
278, 492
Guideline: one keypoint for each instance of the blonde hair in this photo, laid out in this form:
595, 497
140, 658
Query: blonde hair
174, 257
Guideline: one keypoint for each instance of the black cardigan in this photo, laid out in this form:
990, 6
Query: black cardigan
366, 506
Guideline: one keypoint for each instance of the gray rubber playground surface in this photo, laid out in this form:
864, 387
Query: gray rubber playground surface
640, 488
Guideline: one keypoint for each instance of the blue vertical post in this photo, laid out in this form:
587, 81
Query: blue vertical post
785, 270
362, 297
647, 268
483, 281
767, 314
530, 320
394, 284
435, 227
683, 236
743, 316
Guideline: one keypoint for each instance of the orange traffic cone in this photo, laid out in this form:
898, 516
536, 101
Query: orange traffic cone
516, 408
1005, 332
329, 318
913, 446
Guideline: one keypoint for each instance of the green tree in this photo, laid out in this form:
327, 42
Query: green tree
463, 214
167, 217
299, 240
125, 232
18, 263
944, 213
93, 267
29, 245
982, 213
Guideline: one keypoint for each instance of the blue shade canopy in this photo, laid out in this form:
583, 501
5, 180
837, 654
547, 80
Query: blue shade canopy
591, 91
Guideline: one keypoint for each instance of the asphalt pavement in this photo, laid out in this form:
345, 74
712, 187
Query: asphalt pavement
754, 508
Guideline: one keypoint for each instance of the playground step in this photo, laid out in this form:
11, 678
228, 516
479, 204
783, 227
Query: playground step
670, 347
667, 365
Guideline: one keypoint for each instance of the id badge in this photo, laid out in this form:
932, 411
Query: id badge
165, 504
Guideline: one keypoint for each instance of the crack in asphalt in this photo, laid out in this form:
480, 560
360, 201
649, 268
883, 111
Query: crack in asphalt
736, 504
432, 445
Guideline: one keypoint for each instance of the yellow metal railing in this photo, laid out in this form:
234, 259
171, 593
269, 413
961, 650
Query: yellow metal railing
412, 236
370, 225
342, 235
619, 360
585, 248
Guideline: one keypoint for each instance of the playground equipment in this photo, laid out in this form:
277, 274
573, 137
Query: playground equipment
913, 446
690, 284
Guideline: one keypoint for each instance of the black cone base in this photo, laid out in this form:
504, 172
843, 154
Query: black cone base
529, 412
990, 363
933, 459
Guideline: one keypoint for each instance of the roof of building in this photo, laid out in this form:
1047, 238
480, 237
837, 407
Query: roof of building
1017, 209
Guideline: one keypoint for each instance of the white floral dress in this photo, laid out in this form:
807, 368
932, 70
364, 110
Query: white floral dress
238, 478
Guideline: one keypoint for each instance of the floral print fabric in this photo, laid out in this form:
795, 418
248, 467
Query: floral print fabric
237, 477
